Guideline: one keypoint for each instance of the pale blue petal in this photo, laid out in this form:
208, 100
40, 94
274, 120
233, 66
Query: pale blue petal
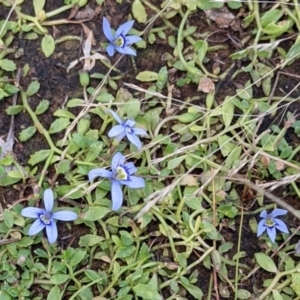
107, 30
120, 137
118, 160
134, 140
130, 123
278, 212
117, 130
32, 212
126, 50
124, 28
51, 231
116, 195
264, 214
261, 227
131, 39
280, 225
110, 49
130, 168
99, 172
271, 233
36, 227
48, 199
134, 182
115, 116
64, 215
139, 131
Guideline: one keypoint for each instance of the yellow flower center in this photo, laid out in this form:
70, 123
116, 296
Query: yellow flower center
269, 222
119, 42
121, 174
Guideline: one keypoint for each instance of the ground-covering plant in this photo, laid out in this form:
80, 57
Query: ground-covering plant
171, 146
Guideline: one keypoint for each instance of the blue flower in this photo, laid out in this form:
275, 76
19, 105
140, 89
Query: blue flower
120, 174
119, 41
45, 217
125, 128
271, 223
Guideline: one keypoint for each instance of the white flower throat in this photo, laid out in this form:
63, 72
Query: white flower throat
269, 222
46, 218
120, 41
120, 173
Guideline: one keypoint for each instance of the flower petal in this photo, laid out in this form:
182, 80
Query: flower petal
126, 50
134, 182
130, 168
271, 233
99, 172
51, 231
131, 39
32, 212
116, 195
115, 116
130, 123
139, 131
134, 140
64, 215
107, 30
264, 214
278, 212
116, 131
280, 225
117, 160
110, 49
36, 227
261, 227
48, 200
124, 28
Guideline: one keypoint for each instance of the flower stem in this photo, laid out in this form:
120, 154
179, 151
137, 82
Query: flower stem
59, 10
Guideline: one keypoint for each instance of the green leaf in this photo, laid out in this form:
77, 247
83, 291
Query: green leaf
95, 213
38, 6
228, 110
33, 88
90, 240
293, 53
146, 76
296, 283
145, 292
243, 294
175, 162
4, 295
14, 110
225, 247
27, 133
276, 295
64, 114
193, 290
272, 15
201, 49
54, 293
266, 262
59, 125
59, 278
48, 45
162, 78
77, 257
139, 11
181, 258
42, 107
8, 219
7, 65
132, 108
38, 157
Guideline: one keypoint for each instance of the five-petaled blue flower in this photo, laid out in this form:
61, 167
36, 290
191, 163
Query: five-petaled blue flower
271, 223
125, 128
119, 41
120, 174
45, 217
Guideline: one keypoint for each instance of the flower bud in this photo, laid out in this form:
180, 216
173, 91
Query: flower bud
84, 78
84, 125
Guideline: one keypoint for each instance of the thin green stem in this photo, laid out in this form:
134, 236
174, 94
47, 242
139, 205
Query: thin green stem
59, 10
